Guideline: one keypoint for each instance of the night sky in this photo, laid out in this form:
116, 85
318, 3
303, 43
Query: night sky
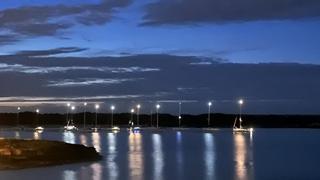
125, 52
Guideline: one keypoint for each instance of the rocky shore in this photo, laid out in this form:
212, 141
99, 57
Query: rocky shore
20, 154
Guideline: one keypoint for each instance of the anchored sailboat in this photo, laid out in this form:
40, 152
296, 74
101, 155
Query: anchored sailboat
239, 128
70, 126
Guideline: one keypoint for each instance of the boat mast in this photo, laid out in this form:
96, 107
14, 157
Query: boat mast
234, 124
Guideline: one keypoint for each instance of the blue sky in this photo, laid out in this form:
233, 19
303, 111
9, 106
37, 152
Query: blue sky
243, 32
244, 42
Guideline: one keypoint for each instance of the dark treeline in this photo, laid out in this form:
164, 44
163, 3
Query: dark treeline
165, 120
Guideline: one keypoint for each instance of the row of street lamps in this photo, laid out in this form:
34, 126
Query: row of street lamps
138, 106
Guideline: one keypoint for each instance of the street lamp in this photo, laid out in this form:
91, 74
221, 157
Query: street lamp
97, 106
240, 102
179, 116
158, 107
112, 109
84, 114
138, 111
209, 112
38, 129
37, 114
132, 111
67, 118
72, 111
18, 112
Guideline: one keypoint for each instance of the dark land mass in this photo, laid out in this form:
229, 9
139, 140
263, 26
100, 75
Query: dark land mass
31, 119
19, 154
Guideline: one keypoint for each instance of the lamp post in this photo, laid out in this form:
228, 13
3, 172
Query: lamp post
158, 107
97, 106
84, 114
209, 112
72, 111
179, 115
240, 102
112, 109
138, 111
37, 116
132, 111
67, 118
18, 112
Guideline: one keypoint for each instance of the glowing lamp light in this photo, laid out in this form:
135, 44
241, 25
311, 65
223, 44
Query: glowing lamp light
240, 101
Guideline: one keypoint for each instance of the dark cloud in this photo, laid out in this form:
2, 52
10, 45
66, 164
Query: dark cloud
225, 11
49, 52
267, 88
36, 29
50, 20
8, 39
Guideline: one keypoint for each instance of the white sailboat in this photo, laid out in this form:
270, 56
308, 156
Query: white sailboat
240, 128
39, 129
70, 126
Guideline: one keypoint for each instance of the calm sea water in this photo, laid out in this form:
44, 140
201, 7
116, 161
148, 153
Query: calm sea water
184, 154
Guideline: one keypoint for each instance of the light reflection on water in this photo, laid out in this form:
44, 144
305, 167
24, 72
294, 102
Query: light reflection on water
97, 171
17, 134
183, 155
179, 154
136, 165
96, 142
36, 135
112, 154
83, 140
69, 137
158, 158
69, 175
209, 155
243, 156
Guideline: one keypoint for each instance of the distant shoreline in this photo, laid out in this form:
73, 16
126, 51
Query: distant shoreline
217, 120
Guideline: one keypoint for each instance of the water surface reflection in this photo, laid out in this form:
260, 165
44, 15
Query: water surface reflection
179, 154
96, 142
209, 155
83, 140
97, 171
112, 154
69, 175
36, 135
69, 137
158, 159
136, 165
243, 157
183, 155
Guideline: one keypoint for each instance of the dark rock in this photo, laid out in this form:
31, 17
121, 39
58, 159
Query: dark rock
17, 154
